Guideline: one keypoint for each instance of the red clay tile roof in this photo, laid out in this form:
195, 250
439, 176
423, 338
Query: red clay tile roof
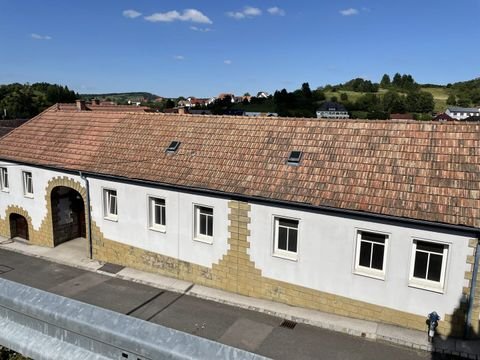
104, 107
412, 169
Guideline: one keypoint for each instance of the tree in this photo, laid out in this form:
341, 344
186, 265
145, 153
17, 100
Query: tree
307, 93
397, 80
452, 100
169, 104
344, 97
333, 99
385, 82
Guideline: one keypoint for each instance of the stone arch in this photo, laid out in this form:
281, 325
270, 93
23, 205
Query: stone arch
17, 210
68, 214
46, 236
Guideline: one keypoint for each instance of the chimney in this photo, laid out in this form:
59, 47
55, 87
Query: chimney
95, 102
81, 105
182, 110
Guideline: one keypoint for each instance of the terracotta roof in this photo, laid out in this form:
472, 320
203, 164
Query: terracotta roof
412, 169
104, 107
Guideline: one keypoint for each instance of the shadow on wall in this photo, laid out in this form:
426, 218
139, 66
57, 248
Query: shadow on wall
445, 345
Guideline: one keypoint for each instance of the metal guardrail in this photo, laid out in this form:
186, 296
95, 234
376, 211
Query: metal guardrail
42, 325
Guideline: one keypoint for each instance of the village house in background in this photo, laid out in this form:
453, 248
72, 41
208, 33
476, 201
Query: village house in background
460, 113
332, 110
345, 217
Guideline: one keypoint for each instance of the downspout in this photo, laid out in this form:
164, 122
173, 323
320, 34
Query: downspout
471, 298
89, 215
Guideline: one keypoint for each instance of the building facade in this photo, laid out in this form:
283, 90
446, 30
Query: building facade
361, 264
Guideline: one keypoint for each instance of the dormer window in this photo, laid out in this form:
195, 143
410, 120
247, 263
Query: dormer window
294, 158
173, 147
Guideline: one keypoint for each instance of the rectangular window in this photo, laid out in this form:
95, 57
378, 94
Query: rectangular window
4, 179
110, 204
370, 253
157, 213
27, 184
203, 223
428, 264
286, 237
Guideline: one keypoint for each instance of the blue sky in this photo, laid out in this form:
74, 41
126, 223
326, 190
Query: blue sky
202, 48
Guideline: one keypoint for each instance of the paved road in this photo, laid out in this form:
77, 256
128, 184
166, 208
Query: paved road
241, 328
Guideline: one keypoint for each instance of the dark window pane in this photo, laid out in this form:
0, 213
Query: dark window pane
420, 268
163, 215
435, 267
365, 250
292, 240
205, 210
289, 223
203, 225
282, 238
426, 246
373, 237
377, 257
158, 219
210, 226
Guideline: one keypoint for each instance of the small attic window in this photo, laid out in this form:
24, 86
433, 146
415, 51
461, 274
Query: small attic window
294, 158
173, 146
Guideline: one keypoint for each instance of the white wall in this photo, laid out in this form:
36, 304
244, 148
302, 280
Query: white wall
132, 227
36, 206
326, 258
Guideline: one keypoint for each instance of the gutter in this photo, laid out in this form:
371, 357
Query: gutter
89, 215
261, 200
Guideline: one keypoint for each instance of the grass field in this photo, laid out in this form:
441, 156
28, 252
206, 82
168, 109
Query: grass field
440, 96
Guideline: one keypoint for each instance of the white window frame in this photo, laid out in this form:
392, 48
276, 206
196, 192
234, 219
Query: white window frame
4, 183
152, 224
282, 253
107, 196
436, 286
27, 184
369, 271
208, 239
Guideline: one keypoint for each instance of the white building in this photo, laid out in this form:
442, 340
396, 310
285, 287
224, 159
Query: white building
460, 113
305, 213
332, 110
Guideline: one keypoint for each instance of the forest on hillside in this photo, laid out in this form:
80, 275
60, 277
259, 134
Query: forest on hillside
24, 101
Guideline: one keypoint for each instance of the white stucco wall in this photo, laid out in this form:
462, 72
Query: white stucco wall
326, 259
132, 227
35, 206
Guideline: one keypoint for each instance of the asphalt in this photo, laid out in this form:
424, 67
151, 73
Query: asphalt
249, 330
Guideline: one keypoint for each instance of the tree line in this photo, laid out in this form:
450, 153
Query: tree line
24, 101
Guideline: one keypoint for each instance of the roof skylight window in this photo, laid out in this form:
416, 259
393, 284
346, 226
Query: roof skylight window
173, 146
294, 158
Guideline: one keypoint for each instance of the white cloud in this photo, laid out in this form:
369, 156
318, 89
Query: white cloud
247, 12
236, 15
40, 37
192, 15
179, 57
131, 14
251, 11
276, 11
195, 28
349, 12
227, 62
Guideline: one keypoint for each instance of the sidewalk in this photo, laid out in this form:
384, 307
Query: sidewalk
73, 254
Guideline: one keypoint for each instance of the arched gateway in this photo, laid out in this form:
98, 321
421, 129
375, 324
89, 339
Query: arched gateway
68, 214
18, 226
